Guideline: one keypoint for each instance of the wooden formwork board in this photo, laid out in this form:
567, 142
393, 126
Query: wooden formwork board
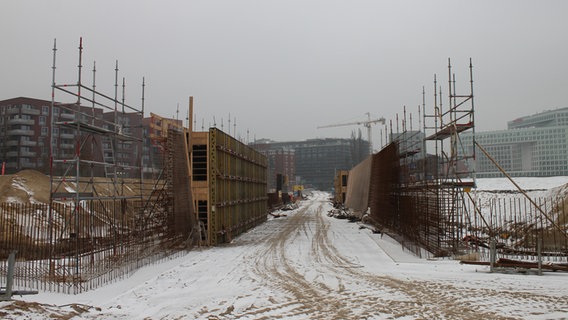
235, 189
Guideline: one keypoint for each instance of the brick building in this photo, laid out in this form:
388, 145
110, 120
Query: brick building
26, 127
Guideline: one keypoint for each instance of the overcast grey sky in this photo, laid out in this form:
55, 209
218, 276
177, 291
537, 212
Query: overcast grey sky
282, 68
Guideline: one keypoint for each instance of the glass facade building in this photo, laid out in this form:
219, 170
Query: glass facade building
532, 146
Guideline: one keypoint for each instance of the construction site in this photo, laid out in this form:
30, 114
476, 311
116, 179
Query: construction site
421, 188
133, 190
97, 217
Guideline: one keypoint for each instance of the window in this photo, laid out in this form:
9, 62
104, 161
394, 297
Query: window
44, 131
45, 110
42, 120
199, 160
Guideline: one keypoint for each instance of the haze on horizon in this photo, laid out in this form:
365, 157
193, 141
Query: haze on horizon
282, 68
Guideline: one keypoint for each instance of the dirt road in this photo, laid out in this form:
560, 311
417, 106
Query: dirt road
308, 265
299, 258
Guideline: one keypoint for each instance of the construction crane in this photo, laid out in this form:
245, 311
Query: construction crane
366, 124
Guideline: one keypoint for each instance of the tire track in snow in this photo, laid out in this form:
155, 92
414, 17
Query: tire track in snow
339, 289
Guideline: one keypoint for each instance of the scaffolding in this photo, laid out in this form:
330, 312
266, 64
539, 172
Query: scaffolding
422, 196
100, 139
454, 175
96, 161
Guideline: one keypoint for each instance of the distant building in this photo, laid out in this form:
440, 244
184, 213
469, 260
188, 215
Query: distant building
26, 129
281, 165
317, 160
155, 131
532, 146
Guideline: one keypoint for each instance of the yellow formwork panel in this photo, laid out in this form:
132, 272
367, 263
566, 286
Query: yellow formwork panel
237, 187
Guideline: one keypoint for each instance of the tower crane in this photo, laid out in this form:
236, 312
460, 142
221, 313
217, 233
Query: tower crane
366, 124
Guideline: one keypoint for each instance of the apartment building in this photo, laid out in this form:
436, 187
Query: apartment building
25, 125
26, 129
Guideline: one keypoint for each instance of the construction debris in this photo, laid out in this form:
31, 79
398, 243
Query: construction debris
521, 265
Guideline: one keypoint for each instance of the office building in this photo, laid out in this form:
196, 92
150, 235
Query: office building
532, 146
317, 160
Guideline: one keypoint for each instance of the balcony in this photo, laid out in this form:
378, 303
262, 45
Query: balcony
66, 116
28, 165
34, 112
29, 122
11, 165
66, 146
28, 143
28, 154
66, 155
66, 136
20, 132
11, 154
12, 143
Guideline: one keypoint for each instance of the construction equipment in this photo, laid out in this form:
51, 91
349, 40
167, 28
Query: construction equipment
366, 124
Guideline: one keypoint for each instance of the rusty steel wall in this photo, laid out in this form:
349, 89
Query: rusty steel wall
182, 218
443, 220
413, 212
424, 198
357, 196
383, 187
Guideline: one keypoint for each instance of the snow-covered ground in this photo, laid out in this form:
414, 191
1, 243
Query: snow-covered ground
308, 265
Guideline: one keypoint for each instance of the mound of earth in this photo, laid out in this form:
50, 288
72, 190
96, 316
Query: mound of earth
31, 186
26, 186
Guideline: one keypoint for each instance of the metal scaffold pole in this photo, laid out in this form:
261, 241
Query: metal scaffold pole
78, 179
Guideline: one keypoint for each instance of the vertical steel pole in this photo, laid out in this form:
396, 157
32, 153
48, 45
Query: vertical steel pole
78, 163
472, 119
492, 254
51, 155
10, 276
539, 253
